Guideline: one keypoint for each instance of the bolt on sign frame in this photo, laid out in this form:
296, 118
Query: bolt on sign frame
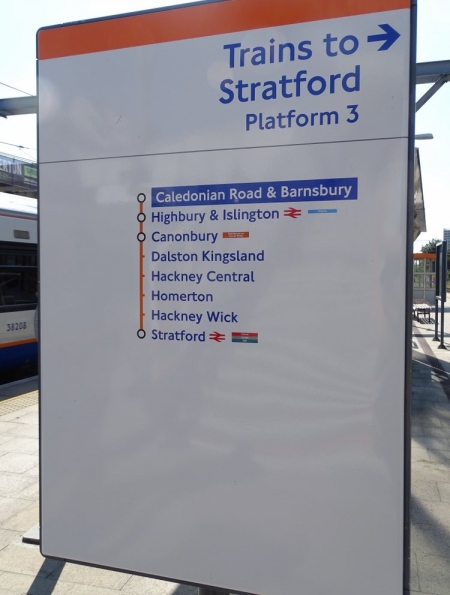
208, 415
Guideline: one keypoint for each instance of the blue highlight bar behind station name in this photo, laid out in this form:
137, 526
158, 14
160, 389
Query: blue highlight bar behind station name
213, 195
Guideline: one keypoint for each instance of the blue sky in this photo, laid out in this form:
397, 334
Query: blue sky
22, 18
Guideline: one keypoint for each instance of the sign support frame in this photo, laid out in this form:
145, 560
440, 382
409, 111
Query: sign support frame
409, 302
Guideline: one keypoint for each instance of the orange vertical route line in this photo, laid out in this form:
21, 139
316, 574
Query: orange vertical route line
141, 271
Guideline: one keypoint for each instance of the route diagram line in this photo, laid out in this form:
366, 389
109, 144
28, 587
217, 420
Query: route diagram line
141, 239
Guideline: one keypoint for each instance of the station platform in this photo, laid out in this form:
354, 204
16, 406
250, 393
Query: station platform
24, 571
430, 460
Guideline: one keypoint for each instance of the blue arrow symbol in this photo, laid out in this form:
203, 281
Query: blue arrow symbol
389, 37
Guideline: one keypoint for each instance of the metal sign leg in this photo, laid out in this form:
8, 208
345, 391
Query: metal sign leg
436, 324
441, 345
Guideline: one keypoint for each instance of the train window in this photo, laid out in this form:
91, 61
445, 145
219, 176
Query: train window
18, 276
20, 234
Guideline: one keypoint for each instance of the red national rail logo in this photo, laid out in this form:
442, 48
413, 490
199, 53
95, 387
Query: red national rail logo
218, 337
293, 213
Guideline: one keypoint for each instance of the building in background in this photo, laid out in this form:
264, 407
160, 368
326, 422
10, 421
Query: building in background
424, 277
419, 205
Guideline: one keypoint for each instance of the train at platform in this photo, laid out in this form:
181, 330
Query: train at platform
18, 283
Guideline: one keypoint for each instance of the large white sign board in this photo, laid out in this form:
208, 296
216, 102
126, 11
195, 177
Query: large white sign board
223, 198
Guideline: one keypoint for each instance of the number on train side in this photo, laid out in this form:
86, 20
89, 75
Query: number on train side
16, 326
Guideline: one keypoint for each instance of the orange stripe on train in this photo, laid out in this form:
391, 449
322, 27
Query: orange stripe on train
15, 343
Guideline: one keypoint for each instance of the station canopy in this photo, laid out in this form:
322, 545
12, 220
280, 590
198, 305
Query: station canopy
18, 176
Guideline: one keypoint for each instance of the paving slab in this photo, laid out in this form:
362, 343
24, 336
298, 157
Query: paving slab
16, 416
32, 491
439, 456
33, 472
416, 431
414, 573
21, 558
10, 507
426, 420
443, 408
431, 513
7, 537
434, 574
419, 405
86, 575
31, 585
444, 491
419, 454
18, 463
425, 490
29, 418
437, 432
434, 396
430, 471
90, 590
428, 442
7, 427
24, 519
429, 539
430, 531
21, 445
12, 484
138, 585
444, 417
22, 430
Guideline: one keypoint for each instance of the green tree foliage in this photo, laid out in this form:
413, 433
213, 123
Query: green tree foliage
430, 247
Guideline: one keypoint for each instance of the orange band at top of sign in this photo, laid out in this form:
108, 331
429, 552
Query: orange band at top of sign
188, 22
